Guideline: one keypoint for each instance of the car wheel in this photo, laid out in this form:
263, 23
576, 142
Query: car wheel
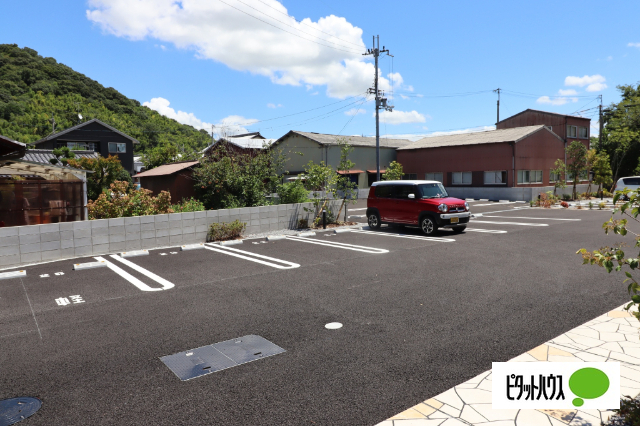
428, 225
459, 229
374, 220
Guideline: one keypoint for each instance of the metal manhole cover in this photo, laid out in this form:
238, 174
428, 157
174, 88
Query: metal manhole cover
17, 409
219, 356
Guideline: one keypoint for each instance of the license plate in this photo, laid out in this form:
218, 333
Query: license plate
455, 219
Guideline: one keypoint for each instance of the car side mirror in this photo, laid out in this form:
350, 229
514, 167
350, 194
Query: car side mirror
412, 196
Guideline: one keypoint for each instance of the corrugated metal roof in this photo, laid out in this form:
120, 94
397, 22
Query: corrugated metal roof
250, 142
325, 139
492, 136
544, 112
167, 169
44, 155
95, 120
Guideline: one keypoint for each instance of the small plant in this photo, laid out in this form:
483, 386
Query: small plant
590, 205
317, 222
292, 192
566, 197
226, 231
303, 223
628, 414
532, 203
564, 204
601, 205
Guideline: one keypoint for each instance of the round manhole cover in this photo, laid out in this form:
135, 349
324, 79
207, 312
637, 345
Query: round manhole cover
16, 409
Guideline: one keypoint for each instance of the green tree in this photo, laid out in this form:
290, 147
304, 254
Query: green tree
576, 162
62, 155
319, 177
394, 171
560, 174
105, 172
345, 188
602, 171
159, 155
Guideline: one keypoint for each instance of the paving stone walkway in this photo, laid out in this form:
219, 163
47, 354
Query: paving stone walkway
612, 337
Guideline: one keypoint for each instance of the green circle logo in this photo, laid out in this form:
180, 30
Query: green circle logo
588, 383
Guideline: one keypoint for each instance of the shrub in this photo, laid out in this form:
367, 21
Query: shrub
601, 205
590, 205
533, 203
303, 223
566, 197
188, 205
606, 193
628, 414
292, 192
123, 200
226, 231
564, 204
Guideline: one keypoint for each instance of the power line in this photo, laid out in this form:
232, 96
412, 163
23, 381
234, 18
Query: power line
302, 23
289, 32
354, 115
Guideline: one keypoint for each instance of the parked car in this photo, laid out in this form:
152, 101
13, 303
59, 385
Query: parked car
632, 183
415, 202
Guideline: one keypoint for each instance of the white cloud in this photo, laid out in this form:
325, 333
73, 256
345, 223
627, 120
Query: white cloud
162, 106
401, 117
355, 111
231, 34
594, 83
555, 100
609, 58
568, 92
404, 97
233, 124
270, 105
634, 45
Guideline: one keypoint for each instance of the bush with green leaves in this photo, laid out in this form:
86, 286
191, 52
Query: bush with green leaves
614, 257
106, 171
393, 172
226, 231
292, 192
188, 205
123, 200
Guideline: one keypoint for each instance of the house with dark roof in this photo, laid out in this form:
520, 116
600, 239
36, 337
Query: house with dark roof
520, 157
95, 136
302, 147
176, 178
246, 143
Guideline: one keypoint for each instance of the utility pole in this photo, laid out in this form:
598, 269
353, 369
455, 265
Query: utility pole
600, 125
498, 90
381, 102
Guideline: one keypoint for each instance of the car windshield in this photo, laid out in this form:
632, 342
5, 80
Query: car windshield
432, 190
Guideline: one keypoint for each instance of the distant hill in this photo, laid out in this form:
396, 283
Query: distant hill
32, 88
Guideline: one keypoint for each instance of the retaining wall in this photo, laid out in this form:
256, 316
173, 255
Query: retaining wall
21, 245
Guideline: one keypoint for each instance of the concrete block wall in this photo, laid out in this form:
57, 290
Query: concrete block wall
20, 245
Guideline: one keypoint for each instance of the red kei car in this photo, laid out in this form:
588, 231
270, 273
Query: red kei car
416, 202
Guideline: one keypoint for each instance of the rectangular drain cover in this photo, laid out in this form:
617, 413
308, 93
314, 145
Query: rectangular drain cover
219, 356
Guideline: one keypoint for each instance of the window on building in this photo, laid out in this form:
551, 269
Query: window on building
582, 132
572, 131
75, 146
410, 176
461, 178
117, 147
495, 178
554, 177
529, 176
437, 176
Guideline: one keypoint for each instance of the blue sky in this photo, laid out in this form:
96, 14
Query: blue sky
245, 64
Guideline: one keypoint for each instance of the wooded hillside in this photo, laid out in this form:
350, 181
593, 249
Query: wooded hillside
33, 88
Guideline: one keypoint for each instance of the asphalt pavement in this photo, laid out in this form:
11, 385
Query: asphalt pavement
419, 316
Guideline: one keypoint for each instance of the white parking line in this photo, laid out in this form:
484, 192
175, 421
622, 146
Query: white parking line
411, 237
501, 203
127, 276
536, 218
510, 223
355, 210
488, 231
246, 256
358, 216
335, 244
166, 285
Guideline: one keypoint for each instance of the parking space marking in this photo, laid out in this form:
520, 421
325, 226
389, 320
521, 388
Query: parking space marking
31, 307
488, 231
247, 255
355, 210
166, 285
358, 216
412, 237
510, 223
133, 280
335, 244
498, 203
535, 218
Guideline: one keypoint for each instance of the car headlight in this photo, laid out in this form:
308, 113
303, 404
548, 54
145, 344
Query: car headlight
466, 206
443, 208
